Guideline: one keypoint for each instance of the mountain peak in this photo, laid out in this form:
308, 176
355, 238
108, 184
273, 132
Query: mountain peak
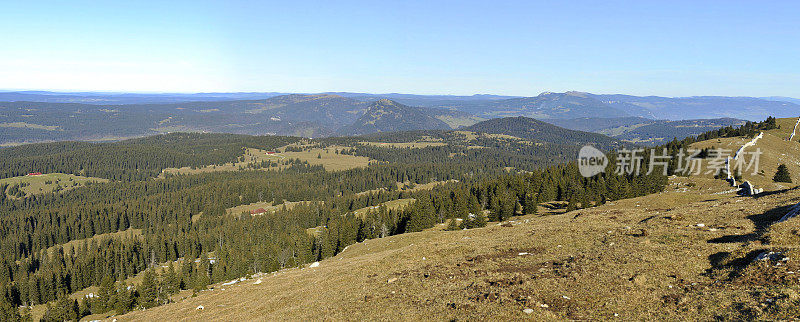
578, 94
385, 101
386, 115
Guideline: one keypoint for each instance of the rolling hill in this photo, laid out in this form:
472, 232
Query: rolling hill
535, 130
389, 116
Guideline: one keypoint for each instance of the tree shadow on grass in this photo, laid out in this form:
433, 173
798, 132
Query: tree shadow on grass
735, 263
760, 221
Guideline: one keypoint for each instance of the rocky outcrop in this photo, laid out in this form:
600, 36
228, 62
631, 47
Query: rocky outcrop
748, 189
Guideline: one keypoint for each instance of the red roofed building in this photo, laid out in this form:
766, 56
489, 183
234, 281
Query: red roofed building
259, 211
35, 174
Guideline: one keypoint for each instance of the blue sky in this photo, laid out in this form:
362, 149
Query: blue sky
667, 48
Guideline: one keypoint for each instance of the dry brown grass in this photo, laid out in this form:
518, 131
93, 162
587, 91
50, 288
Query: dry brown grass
31, 126
327, 158
786, 125
251, 156
314, 156
266, 205
638, 259
390, 205
409, 187
775, 151
48, 182
410, 145
785, 234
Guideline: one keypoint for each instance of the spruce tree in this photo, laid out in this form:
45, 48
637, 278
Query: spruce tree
148, 290
453, 224
171, 282
8, 312
572, 204
123, 300
530, 206
782, 175
107, 293
202, 278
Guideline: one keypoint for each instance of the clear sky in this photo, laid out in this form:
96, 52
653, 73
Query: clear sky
668, 48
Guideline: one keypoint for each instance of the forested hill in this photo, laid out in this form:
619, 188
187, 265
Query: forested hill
144, 158
389, 116
535, 130
135, 159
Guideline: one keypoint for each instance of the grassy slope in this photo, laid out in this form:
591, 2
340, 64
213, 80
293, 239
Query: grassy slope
327, 158
642, 258
776, 150
390, 205
39, 184
266, 205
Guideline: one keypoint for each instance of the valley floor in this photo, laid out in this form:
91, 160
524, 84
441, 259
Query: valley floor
686, 253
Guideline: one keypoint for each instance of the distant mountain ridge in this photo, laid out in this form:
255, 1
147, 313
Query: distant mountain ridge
546, 105
102, 116
571, 105
646, 131
703, 107
102, 98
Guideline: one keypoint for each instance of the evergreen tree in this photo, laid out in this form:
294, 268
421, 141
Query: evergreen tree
148, 290
422, 215
171, 282
453, 224
202, 277
782, 175
186, 273
530, 205
572, 204
8, 312
107, 293
123, 299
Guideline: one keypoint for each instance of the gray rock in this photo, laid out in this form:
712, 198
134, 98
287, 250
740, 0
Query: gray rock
748, 189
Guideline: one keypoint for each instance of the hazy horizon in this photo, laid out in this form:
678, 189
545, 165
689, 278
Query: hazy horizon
366, 93
673, 49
